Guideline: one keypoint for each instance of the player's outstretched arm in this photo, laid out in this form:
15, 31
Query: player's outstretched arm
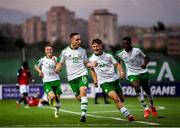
37, 68
120, 70
91, 64
94, 76
146, 61
58, 67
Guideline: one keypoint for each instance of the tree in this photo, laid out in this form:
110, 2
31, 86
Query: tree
159, 27
20, 43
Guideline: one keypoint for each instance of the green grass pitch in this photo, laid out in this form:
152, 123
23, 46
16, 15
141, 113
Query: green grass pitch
101, 115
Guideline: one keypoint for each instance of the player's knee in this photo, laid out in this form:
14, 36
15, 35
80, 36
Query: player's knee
51, 96
83, 94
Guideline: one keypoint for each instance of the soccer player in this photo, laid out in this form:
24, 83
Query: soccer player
35, 101
75, 59
105, 75
136, 64
23, 75
51, 80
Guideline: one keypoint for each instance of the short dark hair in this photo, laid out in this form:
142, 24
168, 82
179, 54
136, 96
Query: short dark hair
127, 38
73, 34
25, 64
98, 41
48, 44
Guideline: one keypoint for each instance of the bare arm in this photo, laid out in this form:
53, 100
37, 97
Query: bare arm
94, 76
120, 70
37, 68
90, 64
58, 67
146, 61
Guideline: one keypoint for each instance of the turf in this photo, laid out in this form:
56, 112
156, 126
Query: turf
100, 115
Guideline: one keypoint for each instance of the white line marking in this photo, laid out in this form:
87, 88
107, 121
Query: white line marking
136, 110
104, 117
109, 111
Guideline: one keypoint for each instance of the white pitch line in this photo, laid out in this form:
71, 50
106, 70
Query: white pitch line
104, 117
115, 118
136, 110
109, 111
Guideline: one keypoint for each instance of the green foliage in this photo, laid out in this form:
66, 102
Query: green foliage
159, 27
59, 45
20, 43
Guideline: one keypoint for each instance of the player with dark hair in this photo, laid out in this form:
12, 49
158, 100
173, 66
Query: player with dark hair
35, 101
136, 65
24, 76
